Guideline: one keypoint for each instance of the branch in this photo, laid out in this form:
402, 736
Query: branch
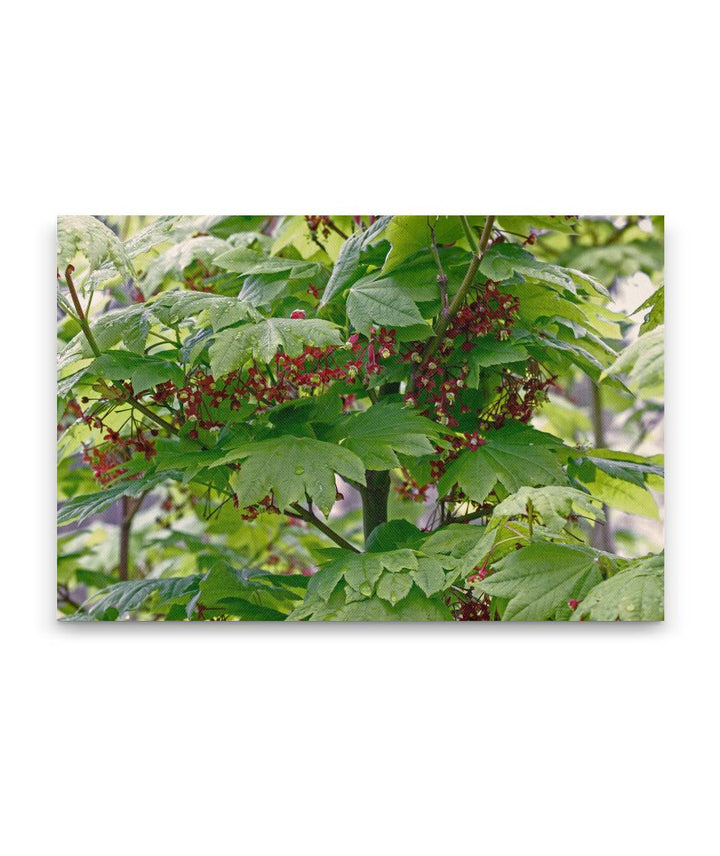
308, 516
446, 317
441, 277
82, 318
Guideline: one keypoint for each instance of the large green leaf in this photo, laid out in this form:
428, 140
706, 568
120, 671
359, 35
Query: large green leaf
171, 307
409, 234
81, 507
376, 434
644, 363
291, 467
346, 267
504, 261
248, 262
540, 578
91, 238
381, 303
514, 456
143, 371
171, 263
655, 304
361, 571
618, 492
525, 224
233, 347
634, 594
554, 503
129, 596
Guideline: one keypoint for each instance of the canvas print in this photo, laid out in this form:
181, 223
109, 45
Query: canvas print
360, 418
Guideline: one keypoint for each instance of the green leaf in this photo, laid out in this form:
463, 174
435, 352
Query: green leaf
619, 465
410, 234
129, 326
361, 571
81, 507
142, 371
540, 578
524, 225
248, 262
505, 261
376, 434
171, 307
171, 263
656, 316
348, 260
91, 238
391, 535
429, 575
634, 594
619, 493
241, 592
234, 347
129, 596
554, 503
394, 586
538, 305
644, 363
381, 303
290, 467
514, 456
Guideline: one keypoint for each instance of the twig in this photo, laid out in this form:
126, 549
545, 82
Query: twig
82, 318
305, 514
446, 317
441, 277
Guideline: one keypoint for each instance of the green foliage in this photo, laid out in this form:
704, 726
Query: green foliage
291, 468
513, 456
379, 434
90, 238
644, 363
541, 578
286, 420
655, 304
554, 504
633, 594
234, 347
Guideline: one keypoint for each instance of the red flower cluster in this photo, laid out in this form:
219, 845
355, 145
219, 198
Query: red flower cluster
472, 610
198, 277
106, 460
380, 345
315, 222
410, 489
518, 396
439, 380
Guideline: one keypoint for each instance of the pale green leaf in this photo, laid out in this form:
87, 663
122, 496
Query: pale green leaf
289, 468
540, 578
634, 594
236, 346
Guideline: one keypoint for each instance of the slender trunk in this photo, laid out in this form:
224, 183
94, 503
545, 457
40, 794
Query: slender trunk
602, 536
128, 509
125, 527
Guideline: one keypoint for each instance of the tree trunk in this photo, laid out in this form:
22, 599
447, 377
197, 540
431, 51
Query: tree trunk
125, 526
375, 499
602, 535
